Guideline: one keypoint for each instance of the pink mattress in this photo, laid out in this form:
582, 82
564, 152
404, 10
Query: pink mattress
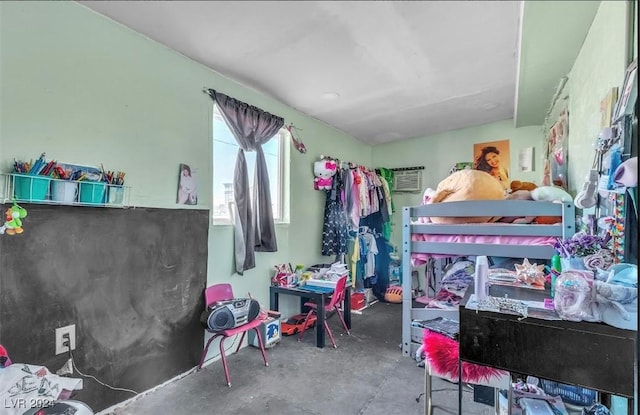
418, 259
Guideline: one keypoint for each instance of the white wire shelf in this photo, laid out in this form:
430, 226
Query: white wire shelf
28, 188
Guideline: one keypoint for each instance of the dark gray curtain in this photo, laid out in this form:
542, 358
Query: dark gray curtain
254, 227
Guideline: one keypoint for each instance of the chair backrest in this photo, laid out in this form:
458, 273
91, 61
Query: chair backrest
338, 293
217, 292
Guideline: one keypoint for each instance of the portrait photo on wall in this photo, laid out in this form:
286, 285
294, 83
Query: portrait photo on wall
187, 186
493, 157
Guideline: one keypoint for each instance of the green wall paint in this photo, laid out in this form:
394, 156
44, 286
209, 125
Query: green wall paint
600, 66
552, 35
87, 90
438, 153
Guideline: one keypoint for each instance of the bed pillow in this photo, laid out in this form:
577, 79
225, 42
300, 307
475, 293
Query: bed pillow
551, 194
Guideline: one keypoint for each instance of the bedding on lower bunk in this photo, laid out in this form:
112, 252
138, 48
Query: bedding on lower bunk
453, 286
460, 275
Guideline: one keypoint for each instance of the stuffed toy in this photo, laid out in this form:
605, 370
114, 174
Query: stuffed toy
467, 185
520, 191
324, 170
13, 223
530, 191
517, 185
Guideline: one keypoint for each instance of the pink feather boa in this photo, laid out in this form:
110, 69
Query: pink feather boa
442, 354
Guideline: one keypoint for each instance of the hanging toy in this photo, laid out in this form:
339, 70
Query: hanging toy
297, 142
324, 170
13, 223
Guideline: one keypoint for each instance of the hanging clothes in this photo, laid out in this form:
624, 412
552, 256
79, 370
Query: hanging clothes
334, 229
372, 251
382, 260
387, 183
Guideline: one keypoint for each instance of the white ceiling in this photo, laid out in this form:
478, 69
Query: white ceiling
402, 69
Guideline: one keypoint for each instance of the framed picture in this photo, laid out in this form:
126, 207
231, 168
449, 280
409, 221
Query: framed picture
628, 93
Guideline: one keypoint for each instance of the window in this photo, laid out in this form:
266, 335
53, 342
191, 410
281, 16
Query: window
225, 151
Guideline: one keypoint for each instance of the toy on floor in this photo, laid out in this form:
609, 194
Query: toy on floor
295, 324
393, 295
13, 223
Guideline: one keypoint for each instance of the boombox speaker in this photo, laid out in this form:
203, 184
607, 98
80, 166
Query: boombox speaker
225, 315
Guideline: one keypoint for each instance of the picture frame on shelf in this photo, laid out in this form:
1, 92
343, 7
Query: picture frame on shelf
628, 93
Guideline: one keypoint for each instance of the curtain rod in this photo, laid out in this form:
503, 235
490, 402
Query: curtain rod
207, 91
407, 168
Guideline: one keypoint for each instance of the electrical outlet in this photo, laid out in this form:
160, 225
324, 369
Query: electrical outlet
62, 344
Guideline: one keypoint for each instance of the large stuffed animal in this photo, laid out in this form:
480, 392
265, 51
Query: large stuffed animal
467, 185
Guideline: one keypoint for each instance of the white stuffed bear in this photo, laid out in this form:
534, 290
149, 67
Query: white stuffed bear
324, 170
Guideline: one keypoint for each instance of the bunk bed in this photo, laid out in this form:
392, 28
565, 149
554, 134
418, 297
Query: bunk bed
429, 240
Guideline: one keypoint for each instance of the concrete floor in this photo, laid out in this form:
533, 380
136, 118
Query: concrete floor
366, 374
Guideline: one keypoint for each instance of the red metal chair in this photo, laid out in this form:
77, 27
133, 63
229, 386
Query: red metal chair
334, 303
221, 292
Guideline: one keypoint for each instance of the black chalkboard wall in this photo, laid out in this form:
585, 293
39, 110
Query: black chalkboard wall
130, 279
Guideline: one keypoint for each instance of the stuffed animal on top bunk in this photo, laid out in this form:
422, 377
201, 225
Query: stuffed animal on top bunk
530, 191
466, 185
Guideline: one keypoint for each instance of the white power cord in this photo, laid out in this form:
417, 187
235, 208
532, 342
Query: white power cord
73, 363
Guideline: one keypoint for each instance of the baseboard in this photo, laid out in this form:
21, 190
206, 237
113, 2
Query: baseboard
119, 405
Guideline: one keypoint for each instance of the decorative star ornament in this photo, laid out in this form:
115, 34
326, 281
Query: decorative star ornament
530, 274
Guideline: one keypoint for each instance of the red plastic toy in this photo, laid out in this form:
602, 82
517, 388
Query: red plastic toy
295, 324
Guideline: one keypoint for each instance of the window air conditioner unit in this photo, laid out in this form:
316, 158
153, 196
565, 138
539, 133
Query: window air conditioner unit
409, 181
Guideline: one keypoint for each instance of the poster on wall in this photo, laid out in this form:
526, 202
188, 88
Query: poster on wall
606, 107
493, 157
187, 186
555, 168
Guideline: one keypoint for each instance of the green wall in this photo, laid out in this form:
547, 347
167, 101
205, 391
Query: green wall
87, 90
438, 153
600, 66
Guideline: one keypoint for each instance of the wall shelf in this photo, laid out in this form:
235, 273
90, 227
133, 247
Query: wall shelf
26, 188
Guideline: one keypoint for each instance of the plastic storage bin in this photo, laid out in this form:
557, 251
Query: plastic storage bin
92, 192
31, 187
574, 395
64, 191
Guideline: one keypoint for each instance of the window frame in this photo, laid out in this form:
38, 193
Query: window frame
280, 217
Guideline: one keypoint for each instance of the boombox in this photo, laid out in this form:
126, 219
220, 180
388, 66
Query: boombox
228, 314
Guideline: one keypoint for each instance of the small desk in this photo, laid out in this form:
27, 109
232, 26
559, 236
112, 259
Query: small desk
318, 297
591, 355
